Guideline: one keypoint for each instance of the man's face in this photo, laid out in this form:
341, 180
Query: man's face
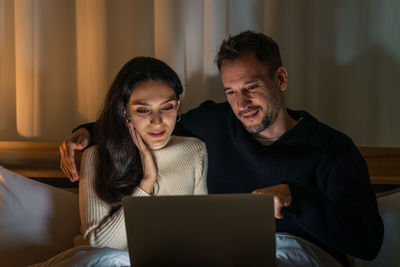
255, 98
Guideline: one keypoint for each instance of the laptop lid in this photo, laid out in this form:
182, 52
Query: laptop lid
206, 230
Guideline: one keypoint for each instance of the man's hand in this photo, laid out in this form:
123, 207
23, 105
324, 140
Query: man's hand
78, 140
282, 197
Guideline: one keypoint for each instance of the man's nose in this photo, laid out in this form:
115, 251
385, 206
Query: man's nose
244, 99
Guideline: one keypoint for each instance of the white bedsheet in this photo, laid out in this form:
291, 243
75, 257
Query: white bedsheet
88, 256
290, 251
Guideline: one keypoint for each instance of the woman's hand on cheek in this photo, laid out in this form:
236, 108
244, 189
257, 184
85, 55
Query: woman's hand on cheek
132, 131
148, 162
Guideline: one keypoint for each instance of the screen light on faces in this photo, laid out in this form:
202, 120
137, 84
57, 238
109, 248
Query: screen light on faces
153, 108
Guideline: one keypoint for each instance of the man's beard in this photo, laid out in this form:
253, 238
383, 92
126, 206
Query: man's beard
268, 119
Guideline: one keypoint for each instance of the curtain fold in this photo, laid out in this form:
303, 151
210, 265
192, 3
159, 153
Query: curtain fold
28, 65
58, 58
91, 55
7, 70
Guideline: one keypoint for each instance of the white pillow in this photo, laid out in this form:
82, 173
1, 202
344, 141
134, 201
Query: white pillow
389, 207
37, 221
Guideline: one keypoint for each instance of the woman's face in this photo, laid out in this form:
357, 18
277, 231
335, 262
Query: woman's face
152, 109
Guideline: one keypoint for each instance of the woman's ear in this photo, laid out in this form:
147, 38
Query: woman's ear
126, 117
178, 102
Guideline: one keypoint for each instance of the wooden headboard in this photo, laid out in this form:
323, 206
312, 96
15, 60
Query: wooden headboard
40, 160
31, 159
383, 164
36, 160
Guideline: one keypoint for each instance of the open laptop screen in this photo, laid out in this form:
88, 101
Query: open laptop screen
207, 230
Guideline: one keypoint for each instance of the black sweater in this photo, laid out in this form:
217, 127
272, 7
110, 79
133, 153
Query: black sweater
333, 204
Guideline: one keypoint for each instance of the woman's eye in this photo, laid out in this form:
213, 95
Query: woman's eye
167, 108
142, 110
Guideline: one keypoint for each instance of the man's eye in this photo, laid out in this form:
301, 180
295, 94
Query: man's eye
252, 87
230, 92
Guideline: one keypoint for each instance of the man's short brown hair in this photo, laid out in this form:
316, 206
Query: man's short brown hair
264, 48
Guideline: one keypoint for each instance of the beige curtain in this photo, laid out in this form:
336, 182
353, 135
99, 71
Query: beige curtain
58, 58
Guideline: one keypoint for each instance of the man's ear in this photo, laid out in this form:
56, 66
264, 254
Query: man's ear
281, 78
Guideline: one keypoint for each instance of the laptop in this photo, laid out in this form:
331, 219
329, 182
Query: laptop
201, 230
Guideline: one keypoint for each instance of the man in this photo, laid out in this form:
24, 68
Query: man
323, 199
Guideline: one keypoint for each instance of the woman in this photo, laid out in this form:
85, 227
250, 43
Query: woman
135, 156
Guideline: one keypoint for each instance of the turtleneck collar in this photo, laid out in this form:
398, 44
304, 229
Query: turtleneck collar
161, 146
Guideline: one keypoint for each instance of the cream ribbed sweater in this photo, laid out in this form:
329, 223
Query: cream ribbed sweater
182, 170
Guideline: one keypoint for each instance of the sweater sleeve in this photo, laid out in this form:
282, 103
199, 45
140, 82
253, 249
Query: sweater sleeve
200, 187
197, 121
88, 126
98, 228
341, 210
139, 192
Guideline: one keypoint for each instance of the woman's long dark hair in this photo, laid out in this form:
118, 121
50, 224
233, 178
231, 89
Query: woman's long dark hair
119, 167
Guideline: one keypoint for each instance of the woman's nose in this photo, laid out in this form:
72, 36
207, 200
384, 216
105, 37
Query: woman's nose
156, 118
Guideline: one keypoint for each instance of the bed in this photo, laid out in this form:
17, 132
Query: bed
39, 215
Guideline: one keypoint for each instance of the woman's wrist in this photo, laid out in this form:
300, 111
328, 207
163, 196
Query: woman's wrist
147, 184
